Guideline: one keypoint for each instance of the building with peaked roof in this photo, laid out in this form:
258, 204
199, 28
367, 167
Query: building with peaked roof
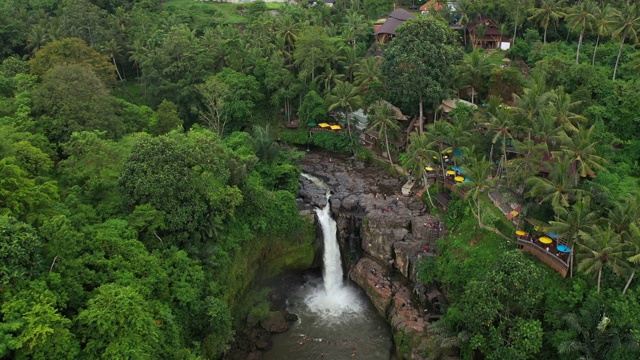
432, 5
485, 33
387, 31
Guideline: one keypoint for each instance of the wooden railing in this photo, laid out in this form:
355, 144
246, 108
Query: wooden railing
545, 256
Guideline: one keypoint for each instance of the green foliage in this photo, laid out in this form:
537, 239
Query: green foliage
457, 211
166, 119
313, 108
334, 141
72, 51
20, 251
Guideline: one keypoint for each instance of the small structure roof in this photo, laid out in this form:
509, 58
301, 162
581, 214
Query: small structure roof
450, 104
432, 5
396, 18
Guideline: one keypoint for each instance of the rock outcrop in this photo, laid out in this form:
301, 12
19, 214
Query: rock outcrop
382, 236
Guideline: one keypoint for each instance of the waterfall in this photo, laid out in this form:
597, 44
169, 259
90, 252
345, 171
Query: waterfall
332, 265
335, 299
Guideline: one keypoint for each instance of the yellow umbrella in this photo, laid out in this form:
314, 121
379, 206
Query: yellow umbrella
448, 151
451, 172
336, 127
428, 168
459, 179
514, 213
546, 240
520, 233
323, 125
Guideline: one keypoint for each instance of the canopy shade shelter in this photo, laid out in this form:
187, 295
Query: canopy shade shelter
336, 127
514, 213
311, 124
323, 125
428, 168
545, 240
451, 172
520, 233
459, 179
564, 248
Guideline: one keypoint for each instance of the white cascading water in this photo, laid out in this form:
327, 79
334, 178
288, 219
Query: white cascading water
335, 299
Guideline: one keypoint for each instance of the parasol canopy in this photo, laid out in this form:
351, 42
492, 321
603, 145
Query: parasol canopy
336, 127
546, 240
451, 172
514, 213
311, 124
323, 125
520, 233
564, 248
428, 168
459, 179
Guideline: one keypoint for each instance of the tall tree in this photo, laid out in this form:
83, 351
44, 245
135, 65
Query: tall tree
559, 188
345, 97
628, 25
383, 121
581, 16
549, 12
580, 150
598, 248
475, 69
419, 156
418, 64
603, 22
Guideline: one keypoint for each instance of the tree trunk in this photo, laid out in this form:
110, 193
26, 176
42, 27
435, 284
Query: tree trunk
593, 60
544, 39
571, 263
386, 140
116, 66
628, 282
515, 25
421, 118
599, 277
615, 68
579, 43
473, 92
426, 187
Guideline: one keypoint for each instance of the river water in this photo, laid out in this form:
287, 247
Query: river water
335, 319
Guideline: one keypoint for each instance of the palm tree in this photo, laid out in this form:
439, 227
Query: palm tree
328, 78
383, 120
346, 97
559, 188
113, 50
354, 23
624, 214
600, 247
581, 16
632, 241
419, 157
549, 12
594, 336
474, 68
561, 106
438, 134
36, 39
368, 71
501, 125
628, 25
604, 19
528, 107
480, 180
581, 151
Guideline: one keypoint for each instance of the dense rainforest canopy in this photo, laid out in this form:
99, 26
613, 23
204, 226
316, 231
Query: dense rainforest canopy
145, 166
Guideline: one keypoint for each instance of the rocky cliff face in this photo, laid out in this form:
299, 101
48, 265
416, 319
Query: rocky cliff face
382, 237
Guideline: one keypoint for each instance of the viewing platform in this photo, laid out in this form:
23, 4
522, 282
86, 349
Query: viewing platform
547, 257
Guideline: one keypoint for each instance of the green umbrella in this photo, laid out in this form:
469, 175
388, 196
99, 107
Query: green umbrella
311, 124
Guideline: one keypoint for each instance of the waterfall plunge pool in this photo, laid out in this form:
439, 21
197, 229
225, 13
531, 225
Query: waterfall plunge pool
335, 320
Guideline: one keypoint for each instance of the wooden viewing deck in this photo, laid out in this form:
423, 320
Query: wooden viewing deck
545, 256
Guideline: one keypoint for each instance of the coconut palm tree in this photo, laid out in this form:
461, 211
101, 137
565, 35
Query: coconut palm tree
328, 78
345, 97
480, 180
474, 69
354, 24
600, 247
528, 107
581, 17
624, 214
603, 21
501, 125
561, 106
383, 121
559, 188
632, 240
628, 25
438, 135
36, 39
113, 50
419, 156
549, 12
593, 335
580, 149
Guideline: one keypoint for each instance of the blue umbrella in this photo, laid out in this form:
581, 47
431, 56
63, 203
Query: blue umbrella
553, 235
563, 248
467, 180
